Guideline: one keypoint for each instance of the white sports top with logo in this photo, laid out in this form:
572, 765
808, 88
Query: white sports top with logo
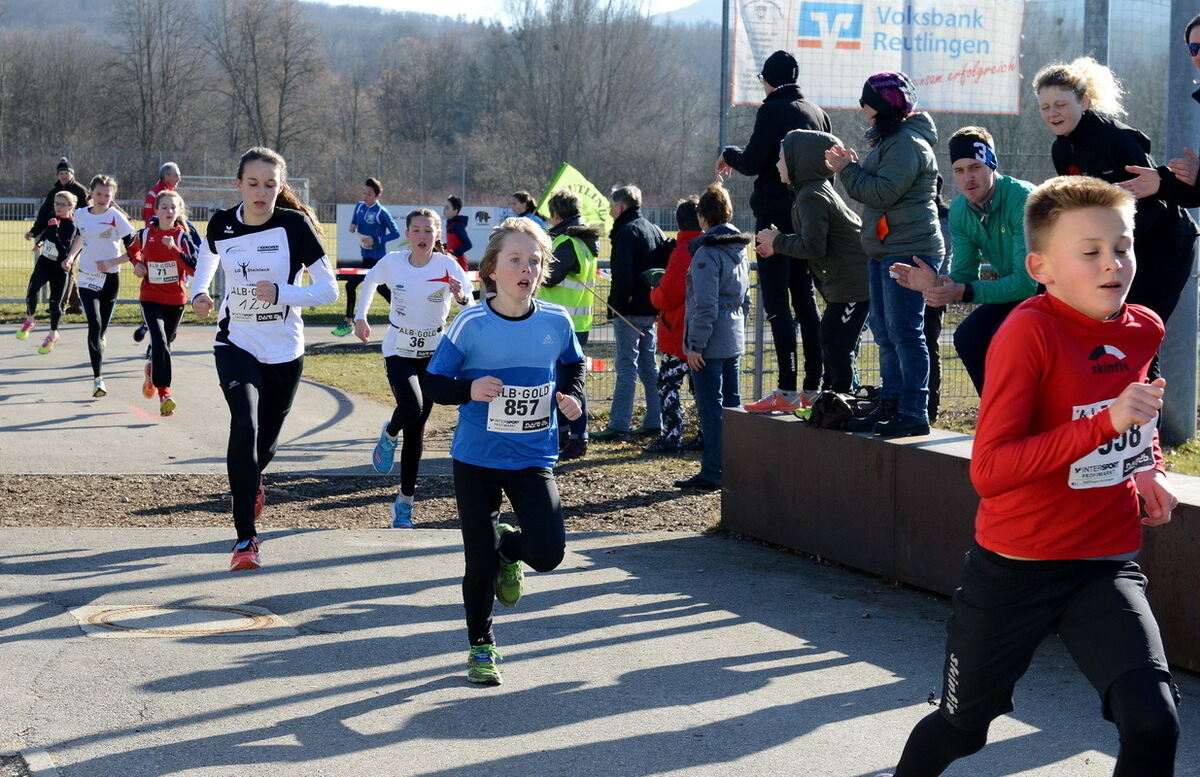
279, 252
101, 238
420, 301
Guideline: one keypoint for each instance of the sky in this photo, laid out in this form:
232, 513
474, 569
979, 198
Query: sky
489, 10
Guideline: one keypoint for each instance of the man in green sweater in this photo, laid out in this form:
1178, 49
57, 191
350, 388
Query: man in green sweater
987, 224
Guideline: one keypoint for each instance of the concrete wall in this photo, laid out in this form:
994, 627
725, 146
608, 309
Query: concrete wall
905, 510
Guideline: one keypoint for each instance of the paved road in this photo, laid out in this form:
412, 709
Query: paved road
642, 655
50, 424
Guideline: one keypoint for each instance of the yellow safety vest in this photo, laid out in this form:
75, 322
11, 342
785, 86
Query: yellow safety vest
575, 292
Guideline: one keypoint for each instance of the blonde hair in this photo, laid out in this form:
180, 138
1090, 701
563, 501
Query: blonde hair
70, 197
181, 213
1085, 77
491, 254
1064, 194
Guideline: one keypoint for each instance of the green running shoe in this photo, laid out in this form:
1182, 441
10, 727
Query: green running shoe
341, 330
510, 576
481, 665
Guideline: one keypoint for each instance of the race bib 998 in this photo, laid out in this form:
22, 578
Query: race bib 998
1116, 460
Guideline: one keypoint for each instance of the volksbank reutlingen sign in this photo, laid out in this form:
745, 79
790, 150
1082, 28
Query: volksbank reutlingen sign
962, 54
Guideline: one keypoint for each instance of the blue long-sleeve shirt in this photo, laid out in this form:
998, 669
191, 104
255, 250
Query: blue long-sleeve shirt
376, 223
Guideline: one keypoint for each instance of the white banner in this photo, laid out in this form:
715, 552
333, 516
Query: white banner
963, 55
480, 221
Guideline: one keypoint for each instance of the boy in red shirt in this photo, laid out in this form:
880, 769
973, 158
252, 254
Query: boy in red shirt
1066, 447
163, 257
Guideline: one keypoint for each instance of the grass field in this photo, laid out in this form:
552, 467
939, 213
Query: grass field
356, 368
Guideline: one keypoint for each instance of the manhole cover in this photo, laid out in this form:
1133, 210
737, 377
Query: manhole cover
147, 620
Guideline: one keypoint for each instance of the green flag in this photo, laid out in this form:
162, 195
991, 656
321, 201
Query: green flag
593, 205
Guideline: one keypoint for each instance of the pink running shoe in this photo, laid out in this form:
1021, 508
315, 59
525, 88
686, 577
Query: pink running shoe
26, 328
260, 499
148, 383
245, 555
777, 401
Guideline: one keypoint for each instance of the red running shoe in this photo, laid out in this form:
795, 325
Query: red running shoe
245, 555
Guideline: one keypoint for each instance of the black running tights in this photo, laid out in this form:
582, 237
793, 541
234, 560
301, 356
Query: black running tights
259, 398
412, 410
1140, 702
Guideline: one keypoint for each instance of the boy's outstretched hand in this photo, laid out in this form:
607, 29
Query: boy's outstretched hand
1137, 405
1158, 500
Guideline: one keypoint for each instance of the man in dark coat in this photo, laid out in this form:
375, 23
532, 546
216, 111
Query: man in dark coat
784, 109
636, 248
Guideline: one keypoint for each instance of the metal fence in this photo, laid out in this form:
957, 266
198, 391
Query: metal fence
758, 365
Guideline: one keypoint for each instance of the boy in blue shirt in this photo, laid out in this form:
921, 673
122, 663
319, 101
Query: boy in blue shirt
375, 227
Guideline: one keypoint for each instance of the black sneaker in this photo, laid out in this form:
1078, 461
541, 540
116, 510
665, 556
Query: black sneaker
609, 434
903, 426
699, 483
885, 412
661, 445
645, 432
139, 334
574, 449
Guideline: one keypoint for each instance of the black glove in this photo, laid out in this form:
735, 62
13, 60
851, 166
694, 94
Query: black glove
653, 277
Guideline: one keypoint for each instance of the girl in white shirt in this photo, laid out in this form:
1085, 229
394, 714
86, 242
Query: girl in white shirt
422, 283
264, 246
99, 249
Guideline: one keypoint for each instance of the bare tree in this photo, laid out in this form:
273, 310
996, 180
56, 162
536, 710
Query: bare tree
269, 58
157, 63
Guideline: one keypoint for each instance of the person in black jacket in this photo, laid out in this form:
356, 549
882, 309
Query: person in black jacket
66, 182
636, 248
1080, 102
784, 109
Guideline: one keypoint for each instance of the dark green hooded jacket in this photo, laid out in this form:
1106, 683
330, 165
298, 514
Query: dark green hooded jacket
827, 231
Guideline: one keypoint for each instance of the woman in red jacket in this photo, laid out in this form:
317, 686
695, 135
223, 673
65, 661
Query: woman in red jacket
164, 258
668, 298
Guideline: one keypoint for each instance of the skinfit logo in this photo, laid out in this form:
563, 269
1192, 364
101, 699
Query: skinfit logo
827, 26
1107, 359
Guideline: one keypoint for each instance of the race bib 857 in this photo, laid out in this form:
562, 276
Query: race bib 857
520, 409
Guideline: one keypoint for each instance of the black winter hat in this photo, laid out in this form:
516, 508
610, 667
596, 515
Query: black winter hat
63, 164
780, 68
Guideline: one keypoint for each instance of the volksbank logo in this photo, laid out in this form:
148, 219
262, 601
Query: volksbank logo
830, 26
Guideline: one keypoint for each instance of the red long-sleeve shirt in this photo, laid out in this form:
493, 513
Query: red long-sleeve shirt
671, 294
149, 206
1054, 477
167, 268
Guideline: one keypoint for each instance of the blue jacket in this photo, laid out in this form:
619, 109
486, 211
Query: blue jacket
718, 282
374, 222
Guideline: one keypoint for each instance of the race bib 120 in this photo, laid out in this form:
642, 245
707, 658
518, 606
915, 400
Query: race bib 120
245, 309
520, 409
1116, 460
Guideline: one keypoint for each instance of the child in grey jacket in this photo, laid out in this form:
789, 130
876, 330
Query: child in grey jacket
714, 334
